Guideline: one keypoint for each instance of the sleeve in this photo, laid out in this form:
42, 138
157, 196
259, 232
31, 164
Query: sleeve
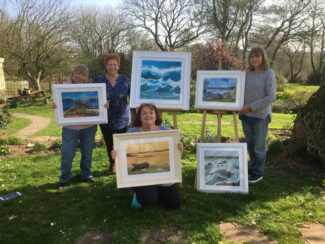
270, 93
164, 127
133, 129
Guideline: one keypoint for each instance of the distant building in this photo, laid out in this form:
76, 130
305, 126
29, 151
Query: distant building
2, 78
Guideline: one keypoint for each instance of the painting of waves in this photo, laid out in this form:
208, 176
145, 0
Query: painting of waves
144, 158
219, 90
221, 168
161, 80
80, 104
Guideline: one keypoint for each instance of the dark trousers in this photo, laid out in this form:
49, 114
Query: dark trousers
168, 196
108, 137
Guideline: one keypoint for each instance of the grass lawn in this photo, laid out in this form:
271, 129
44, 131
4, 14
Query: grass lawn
289, 195
188, 123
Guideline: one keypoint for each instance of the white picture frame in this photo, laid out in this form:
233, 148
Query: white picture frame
79, 104
147, 158
220, 90
161, 78
222, 167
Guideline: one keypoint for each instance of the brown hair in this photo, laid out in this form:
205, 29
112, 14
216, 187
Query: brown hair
80, 69
257, 51
113, 56
137, 121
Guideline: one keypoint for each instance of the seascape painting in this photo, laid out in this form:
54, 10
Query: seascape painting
160, 79
80, 104
144, 158
221, 168
219, 90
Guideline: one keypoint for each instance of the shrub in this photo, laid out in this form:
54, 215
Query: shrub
4, 150
5, 117
12, 140
38, 146
57, 145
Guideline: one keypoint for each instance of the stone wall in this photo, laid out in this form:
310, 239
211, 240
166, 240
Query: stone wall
2, 78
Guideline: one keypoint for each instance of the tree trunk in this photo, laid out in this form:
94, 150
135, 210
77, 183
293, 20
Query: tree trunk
308, 134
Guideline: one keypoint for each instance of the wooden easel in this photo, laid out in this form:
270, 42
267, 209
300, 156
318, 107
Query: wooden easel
218, 137
219, 116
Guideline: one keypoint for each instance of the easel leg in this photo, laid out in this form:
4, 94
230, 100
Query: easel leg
174, 120
219, 127
235, 125
204, 118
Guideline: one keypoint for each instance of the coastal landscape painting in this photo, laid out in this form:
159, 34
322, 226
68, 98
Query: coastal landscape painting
144, 158
79, 104
147, 158
222, 167
161, 78
220, 90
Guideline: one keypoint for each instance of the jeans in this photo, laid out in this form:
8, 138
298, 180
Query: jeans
70, 138
108, 138
255, 135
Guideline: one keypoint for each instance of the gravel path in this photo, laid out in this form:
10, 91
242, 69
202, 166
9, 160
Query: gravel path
38, 123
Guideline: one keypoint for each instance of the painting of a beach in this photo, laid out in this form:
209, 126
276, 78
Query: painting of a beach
219, 90
160, 79
144, 158
80, 104
221, 168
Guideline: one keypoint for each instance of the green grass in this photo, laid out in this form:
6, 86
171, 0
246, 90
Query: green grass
294, 88
189, 123
288, 196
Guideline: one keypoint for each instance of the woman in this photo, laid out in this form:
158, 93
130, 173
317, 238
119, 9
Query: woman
117, 91
148, 119
260, 92
71, 135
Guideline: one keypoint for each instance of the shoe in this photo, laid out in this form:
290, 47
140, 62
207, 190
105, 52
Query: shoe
60, 185
255, 178
90, 180
111, 170
134, 203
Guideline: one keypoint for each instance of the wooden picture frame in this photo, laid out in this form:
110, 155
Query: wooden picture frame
161, 78
147, 158
220, 90
80, 104
222, 167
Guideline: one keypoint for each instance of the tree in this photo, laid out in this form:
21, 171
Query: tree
231, 21
316, 41
282, 23
309, 128
35, 38
171, 23
98, 31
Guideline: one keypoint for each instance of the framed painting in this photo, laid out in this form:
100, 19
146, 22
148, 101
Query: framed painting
220, 90
147, 158
161, 78
222, 167
79, 104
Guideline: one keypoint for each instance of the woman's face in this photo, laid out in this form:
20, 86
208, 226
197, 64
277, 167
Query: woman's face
79, 78
147, 116
256, 60
112, 67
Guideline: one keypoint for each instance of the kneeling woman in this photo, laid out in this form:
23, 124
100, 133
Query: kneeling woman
148, 119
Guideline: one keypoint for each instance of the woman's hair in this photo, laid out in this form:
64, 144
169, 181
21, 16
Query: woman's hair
258, 51
137, 121
80, 69
113, 56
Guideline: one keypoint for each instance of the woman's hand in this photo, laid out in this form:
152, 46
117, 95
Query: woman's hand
106, 104
246, 109
114, 154
180, 146
54, 106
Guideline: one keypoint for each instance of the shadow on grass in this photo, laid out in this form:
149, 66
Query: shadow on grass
44, 214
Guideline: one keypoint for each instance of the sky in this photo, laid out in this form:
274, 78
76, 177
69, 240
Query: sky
96, 2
